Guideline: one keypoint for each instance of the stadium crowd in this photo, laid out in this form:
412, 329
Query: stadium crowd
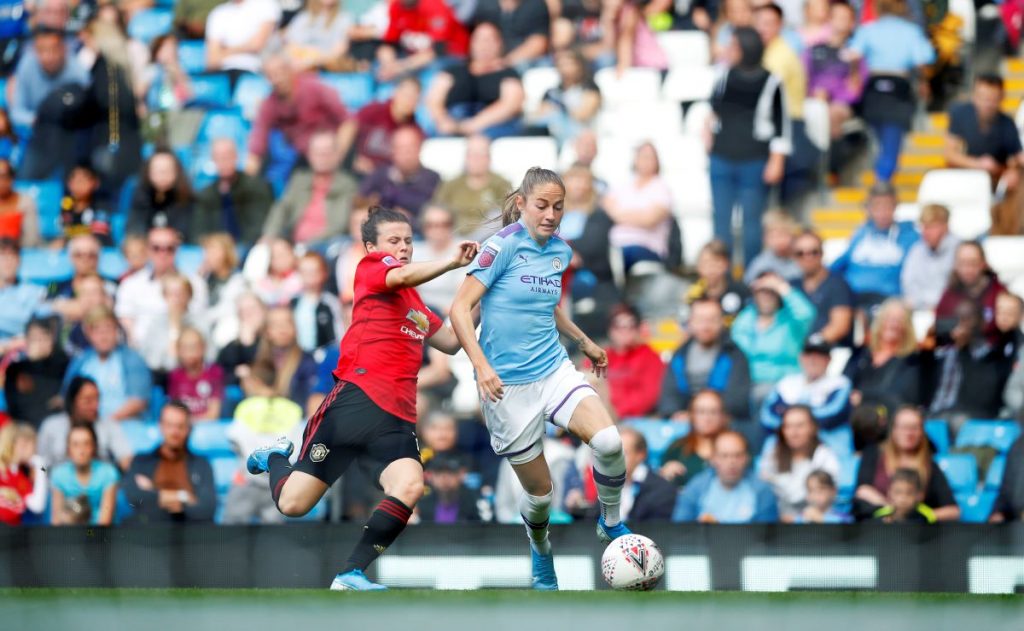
159, 323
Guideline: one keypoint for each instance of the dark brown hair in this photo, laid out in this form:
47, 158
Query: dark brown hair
783, 452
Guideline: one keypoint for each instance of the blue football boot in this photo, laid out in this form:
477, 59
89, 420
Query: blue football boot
355, 581
257, 461
544, 578
608, 534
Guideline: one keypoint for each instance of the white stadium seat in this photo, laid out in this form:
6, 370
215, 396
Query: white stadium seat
511, 157
966, 11
691, 193
636, 84
689, 83
832, 249
697, 231
536, 82
1006, 257
817, 124
923, 320
447, 156
685, 48
680, 153
968, 195
907, 211
696, 118
614, 159
641, 121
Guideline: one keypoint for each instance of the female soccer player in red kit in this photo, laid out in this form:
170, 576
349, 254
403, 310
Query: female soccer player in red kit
370, 414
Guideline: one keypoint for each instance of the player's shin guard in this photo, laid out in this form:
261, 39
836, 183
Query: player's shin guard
279, 469
385, 524
535, 510
609, 472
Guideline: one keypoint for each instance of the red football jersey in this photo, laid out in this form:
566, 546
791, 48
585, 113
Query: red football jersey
428, 22
383, 348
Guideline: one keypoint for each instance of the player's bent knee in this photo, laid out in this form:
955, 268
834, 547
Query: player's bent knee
607, 442
409, 490
293, 507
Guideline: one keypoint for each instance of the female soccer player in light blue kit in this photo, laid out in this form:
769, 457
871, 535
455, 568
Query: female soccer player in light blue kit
523, 372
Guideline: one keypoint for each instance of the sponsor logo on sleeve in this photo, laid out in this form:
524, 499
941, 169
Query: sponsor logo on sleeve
390, 261
490, 252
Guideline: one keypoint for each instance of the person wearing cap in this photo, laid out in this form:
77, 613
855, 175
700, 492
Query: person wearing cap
20, 300
447, 500
828, 396
873, 262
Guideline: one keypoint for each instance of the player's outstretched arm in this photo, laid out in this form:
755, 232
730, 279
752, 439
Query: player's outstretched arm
594, 353
461, 314
445, 340
414, 274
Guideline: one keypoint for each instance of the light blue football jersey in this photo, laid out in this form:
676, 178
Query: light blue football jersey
524, 284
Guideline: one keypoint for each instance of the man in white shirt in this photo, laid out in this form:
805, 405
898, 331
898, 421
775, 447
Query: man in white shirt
929, 262
140, 297
237, 32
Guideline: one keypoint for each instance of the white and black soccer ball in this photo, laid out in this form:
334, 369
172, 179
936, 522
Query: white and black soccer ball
633, 563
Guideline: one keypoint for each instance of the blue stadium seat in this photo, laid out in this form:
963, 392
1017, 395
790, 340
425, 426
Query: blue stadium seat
975, 508
192, 56
47, 194
224, 123
1000, 435
157, 398
3, 91
143, 437
188, 259
112, 263
3, 400
840, 440
148, 24
847, 482
250, 91
224, 470
659, 434
355, 89
44, 266
937, 432
961, 470
210, 439
211, 91
233, 395
996, 470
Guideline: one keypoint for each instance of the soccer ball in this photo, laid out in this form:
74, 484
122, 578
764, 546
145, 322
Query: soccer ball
632, 562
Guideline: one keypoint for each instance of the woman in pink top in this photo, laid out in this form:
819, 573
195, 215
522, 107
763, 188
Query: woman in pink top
282, 282
635, 44
641, 210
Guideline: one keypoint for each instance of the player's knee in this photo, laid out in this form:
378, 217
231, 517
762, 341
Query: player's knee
607, 442
292, 506
409, 490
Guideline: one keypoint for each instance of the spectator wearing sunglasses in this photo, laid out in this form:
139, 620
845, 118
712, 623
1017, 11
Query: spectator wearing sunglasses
828, 292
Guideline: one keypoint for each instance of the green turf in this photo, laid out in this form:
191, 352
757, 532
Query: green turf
500, 610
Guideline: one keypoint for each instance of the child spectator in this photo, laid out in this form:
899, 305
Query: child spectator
19, 216
32, 383
282, 282
134, 249
634, 369
906, 505
22, 476
79, 212
158, 342
90, 291
821, 499
317, 312
84, 487
195, 382
715, 282
777, 255
166, 85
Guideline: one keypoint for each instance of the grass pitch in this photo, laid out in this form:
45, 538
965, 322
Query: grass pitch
499, 610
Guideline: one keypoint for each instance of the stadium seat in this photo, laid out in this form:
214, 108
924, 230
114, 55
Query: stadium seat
838, 358
908, 211
659, 434
355, 89
688, 84
923, 319
224, 123
211, 91
691, 193
210, 439
817, 123
833, 248
447, 156
511, 157
679, 153
250, 91
1004, 257
685, 48
996, 470
697, 231
224, 470
112, 263
3, 401
192, 56
641, 121
636, 84
961, 470
1000, 435
840, 440
968, 195
3, 92
148, 24
143, 437
614, 160
975, 508
847, 482
47, 194
696, 118
157, 398
43, 266
188, 259
965, 10
536, 82
937, 432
